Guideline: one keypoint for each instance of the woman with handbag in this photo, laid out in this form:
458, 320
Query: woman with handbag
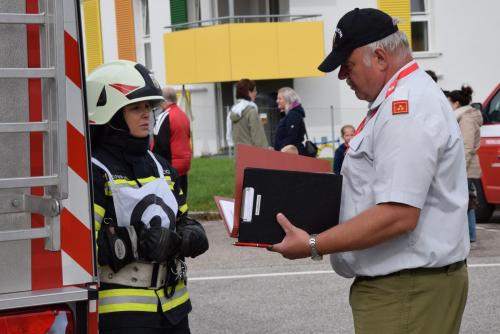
291, 128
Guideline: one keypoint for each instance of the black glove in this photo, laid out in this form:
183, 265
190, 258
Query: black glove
117, 246
158, 243
194, 239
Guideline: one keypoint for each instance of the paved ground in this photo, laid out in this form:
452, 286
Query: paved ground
246, 290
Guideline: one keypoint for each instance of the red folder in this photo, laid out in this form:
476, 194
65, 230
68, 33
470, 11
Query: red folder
250, 156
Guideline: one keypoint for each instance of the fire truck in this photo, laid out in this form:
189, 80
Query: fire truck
47, 258
489, 157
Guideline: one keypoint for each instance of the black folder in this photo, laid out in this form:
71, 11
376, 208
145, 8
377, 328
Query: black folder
309, 200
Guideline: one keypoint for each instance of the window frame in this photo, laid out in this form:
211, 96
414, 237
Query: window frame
424, 16
142, 37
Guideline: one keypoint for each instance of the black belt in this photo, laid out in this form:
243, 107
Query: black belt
445, 269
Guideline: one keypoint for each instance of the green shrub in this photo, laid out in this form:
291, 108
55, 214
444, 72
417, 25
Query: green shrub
208, 177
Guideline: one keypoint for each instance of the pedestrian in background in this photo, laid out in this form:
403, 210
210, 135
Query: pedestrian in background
432, 74
403, 232
172, 137
470, 120
291, 128
346, 132
243, 122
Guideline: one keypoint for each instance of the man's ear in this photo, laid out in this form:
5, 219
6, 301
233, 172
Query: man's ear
381, 59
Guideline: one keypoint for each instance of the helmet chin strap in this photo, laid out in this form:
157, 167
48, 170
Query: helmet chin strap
117, 129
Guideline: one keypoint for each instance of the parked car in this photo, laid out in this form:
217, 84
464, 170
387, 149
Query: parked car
489, 157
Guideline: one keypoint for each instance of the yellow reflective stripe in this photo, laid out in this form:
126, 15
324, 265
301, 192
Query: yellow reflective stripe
183, 208
127, 292
99, 210
168, 178
122, 182
98, 216
118, 300
147, 179
173, 303
124, 307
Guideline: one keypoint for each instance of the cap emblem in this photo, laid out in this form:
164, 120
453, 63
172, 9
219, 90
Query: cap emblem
336, 37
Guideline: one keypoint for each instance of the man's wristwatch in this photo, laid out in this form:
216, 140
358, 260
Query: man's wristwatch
314, 251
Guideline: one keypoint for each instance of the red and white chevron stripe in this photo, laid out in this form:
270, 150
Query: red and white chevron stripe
76, 226
73, 264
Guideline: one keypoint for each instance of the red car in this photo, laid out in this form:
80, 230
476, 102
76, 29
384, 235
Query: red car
489, 157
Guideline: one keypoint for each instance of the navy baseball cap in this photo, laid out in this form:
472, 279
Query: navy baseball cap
357, 28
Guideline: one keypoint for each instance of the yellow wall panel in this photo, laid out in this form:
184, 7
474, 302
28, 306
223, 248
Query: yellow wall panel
401, 10
180, 57
254, 51
212, 49
300, 49
93, 41
125, 30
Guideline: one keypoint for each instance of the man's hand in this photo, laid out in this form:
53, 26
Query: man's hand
295, 244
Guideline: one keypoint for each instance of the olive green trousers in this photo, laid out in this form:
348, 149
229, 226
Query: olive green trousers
411, 301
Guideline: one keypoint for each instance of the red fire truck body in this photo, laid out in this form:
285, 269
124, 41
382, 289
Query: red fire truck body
48, 270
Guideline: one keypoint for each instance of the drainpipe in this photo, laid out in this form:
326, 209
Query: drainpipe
230, 4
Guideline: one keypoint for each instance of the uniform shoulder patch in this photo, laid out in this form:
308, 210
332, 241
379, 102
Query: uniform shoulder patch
400, 107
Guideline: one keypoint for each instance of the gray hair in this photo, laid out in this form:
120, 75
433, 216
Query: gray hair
169, 95
396, 44
290, 97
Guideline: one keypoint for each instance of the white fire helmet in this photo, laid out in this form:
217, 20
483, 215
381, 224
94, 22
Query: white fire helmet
116, 84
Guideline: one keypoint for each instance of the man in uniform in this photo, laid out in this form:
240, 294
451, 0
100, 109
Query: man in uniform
403, 232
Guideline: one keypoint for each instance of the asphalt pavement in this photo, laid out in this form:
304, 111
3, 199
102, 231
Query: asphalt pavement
246, 290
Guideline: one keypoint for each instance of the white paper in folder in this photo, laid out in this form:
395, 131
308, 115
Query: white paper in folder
226, 210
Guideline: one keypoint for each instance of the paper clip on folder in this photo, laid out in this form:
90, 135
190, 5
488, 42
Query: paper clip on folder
247, 206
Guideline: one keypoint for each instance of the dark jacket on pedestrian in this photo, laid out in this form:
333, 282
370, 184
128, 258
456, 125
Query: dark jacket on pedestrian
291, 130
338, 159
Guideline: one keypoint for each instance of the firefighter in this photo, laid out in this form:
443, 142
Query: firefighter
142, 228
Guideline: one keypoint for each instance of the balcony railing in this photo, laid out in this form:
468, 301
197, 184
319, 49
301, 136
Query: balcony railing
242, 19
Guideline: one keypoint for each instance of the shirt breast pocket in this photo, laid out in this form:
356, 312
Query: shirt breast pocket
360, 148
355, 143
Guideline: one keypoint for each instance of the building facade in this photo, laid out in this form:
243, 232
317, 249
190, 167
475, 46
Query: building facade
204, 46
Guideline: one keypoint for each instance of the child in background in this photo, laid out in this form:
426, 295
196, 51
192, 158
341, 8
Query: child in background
346, 132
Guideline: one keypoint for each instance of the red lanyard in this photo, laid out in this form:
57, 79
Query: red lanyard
390, 90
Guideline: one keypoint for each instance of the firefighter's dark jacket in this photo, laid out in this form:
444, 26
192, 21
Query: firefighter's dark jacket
127, 158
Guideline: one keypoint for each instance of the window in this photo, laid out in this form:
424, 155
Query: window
145, 34
420, 25
178, 11
145, 16
147, 56
493, 110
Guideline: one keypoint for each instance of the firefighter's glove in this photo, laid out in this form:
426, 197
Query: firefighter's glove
194, 239
158, 243
117, 246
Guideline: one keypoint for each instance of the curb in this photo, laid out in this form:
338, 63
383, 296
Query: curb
204, 215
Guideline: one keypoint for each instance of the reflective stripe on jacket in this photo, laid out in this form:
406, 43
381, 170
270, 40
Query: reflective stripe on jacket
141, 300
